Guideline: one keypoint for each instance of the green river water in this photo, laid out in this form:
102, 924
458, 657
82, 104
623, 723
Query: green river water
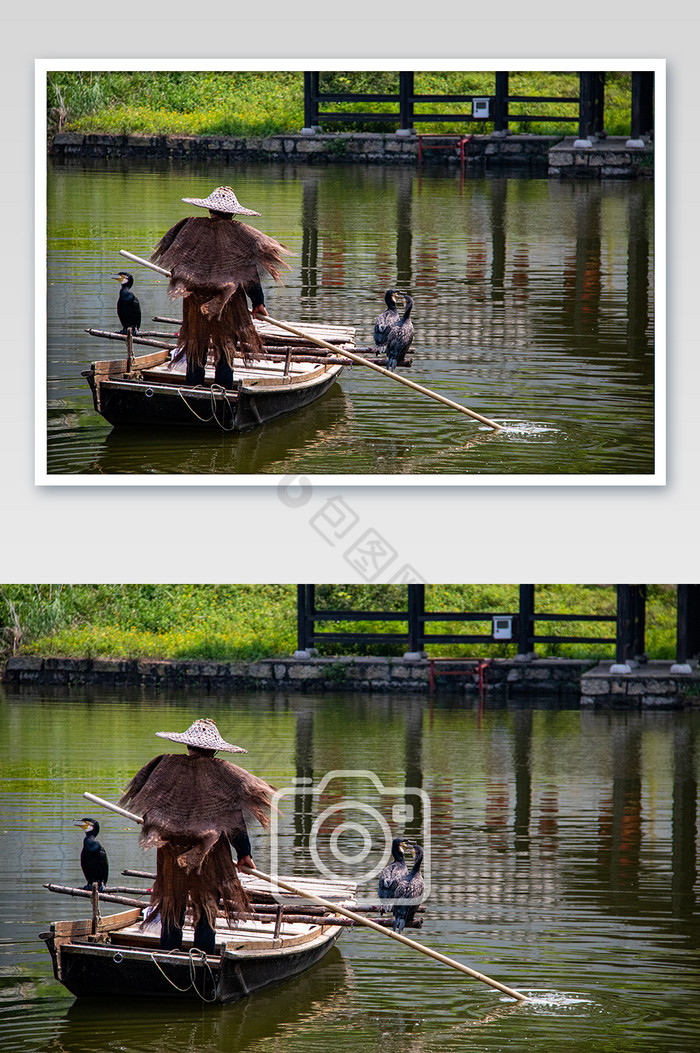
533, 306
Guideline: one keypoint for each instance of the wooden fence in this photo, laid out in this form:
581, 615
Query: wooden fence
586, 109
522, 626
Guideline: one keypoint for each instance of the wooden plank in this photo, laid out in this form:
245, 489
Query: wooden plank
70, 929
107, 367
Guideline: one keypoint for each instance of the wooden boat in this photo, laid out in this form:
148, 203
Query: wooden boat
119, 955
150, 389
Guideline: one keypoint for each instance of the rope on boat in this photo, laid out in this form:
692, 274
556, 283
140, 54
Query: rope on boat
215, 389
194, 956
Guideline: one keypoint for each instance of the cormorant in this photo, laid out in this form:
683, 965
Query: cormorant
394, 871
409, 888
128, 307
400, 336
387, 319
93, 858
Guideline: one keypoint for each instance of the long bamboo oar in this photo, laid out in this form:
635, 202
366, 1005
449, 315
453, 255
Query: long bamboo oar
352, 356
358, 918
387, 932
114, 808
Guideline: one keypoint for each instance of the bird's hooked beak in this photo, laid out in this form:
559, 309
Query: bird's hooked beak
81, 823
407, 846
121, 278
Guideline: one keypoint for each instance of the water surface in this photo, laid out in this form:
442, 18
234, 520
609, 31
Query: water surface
563, 862
533, 307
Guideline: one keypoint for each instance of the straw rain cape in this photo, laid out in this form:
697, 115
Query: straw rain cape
193, 810
212, 262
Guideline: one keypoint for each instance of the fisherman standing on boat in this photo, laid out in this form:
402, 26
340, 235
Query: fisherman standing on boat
193, 813
213, 263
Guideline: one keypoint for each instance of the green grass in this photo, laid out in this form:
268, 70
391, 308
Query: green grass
265, 103
246, 622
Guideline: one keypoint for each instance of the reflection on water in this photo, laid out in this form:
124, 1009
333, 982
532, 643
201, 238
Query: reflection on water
563, 863
534, 305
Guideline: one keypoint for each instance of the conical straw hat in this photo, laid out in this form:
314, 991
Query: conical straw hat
204, 734
222, 199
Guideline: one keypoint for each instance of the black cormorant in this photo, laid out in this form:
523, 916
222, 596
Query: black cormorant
93, 858
410, 888
394, 871
400, 336
128, 307
387, 319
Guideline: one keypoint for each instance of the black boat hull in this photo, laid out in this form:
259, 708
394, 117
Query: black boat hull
101, 970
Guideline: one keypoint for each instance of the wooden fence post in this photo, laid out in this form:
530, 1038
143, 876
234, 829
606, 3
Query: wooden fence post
591, 113
310, 100
687, 623
631, 607
526, 620
500, 116
416, 625
642, 116
406, 81
305, 616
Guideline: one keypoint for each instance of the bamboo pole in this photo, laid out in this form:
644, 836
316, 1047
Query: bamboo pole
108, 897
166, 345
387, 932
358, 359
114, 808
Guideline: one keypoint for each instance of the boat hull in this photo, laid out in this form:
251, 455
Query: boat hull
150, 391
143, 404
110, 971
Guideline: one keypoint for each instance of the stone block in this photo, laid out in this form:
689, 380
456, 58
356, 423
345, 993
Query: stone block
260, 670
650, 701
400, 672
306, 671
310, 146
30, 663
594, 686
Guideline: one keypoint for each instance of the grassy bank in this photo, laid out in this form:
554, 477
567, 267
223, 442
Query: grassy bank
267, 103
229, 622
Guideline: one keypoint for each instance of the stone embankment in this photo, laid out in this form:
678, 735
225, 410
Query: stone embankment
607, 158
593, 685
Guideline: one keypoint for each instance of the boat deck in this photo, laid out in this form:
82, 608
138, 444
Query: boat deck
174, 371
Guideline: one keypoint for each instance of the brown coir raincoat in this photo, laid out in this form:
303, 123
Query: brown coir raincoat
193, 812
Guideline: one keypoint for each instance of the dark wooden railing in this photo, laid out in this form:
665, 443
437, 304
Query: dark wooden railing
589, 105
628, 634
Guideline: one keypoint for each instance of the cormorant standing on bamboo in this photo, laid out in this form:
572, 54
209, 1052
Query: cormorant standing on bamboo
409, 889
214, 262
400, 336
384, 322
193, 813
93, 858
394, 871
128, 307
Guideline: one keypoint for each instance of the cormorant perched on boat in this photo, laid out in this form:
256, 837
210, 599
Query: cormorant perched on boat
93, 858
387, 319
409, 888
128, 307
394, 871
400, 336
